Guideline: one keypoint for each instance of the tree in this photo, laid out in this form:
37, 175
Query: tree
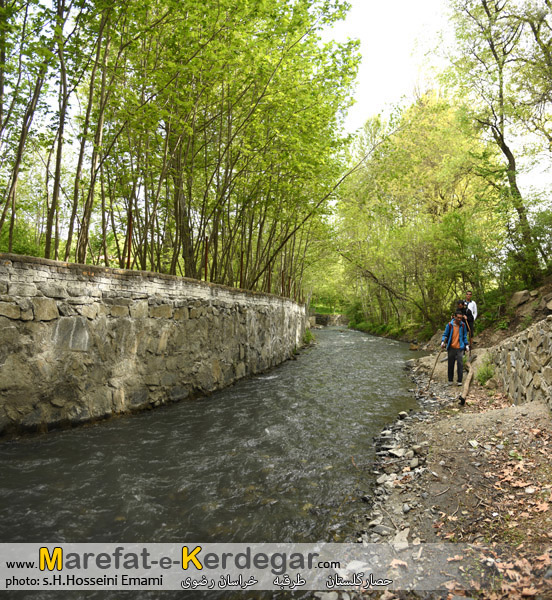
489, 36
414, 219
534, 86
202, 141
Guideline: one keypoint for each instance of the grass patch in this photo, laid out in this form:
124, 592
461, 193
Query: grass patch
308, 337
527, 320
486, 370
383, 329
503, 324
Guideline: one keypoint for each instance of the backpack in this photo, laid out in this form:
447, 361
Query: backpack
462, 324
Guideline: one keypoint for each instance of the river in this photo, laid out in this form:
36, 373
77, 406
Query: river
282, 456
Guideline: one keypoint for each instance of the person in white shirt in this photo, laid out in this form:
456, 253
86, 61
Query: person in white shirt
473, 308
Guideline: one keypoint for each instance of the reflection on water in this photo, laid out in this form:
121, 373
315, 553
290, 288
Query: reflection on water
279, 457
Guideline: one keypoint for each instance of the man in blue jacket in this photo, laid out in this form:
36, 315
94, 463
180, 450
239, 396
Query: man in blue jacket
456, 340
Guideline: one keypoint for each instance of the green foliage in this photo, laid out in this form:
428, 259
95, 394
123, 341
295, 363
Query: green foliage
24, 240
526, 322
414, 231
503, 50
308, 337
541, 229
197, 133
322, 309
436, 208
515, 454
354, 312
503, 323
381, 329
486, 370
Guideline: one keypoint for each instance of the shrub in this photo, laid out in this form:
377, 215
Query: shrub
308, 337
503, 323
486, 370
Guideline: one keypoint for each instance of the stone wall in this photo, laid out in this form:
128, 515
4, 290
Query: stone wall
524, 363
331, 320
79, 342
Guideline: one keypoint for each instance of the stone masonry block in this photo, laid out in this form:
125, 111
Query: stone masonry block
53, 290
45, 309
547, 375
90, 311
74, 289
139, 310
119, 311
22, 289
164, 311
181, 314
71, 333
10, 310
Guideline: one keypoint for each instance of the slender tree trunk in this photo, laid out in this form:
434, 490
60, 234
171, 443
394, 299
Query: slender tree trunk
531, 270
63, 102
25, 128
86, 126
82, 242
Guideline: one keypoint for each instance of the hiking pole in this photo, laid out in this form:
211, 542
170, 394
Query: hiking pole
432, 370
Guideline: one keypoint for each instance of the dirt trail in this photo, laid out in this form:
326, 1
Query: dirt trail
479, 473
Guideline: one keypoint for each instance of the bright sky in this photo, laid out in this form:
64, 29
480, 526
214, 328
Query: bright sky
398, 38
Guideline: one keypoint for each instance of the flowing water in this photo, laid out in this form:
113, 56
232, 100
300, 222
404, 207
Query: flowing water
279, 457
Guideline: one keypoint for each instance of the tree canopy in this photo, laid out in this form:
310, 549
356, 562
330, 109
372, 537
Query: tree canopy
207, 141
438, 202
171, 136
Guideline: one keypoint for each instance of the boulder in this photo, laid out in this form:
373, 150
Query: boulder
519, 298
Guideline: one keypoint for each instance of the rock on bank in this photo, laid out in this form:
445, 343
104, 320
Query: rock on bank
79, 342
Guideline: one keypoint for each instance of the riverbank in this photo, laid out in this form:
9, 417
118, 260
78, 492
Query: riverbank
478, 473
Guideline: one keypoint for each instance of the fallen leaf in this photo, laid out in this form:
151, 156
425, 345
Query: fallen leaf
529, 592
511, 574
398, 563
451, 585
507, 587
455, 558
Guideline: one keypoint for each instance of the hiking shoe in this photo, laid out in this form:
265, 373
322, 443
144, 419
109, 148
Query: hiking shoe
450, 383
459, 383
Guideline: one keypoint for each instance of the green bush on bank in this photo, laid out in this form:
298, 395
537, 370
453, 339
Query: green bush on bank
486, 371
308, 337
322, 309
383, 329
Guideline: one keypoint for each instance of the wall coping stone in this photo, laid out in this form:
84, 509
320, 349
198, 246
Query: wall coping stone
91, 271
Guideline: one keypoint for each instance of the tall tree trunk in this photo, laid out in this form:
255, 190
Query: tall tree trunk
84, 135
63, 102
529, 262
82, 242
